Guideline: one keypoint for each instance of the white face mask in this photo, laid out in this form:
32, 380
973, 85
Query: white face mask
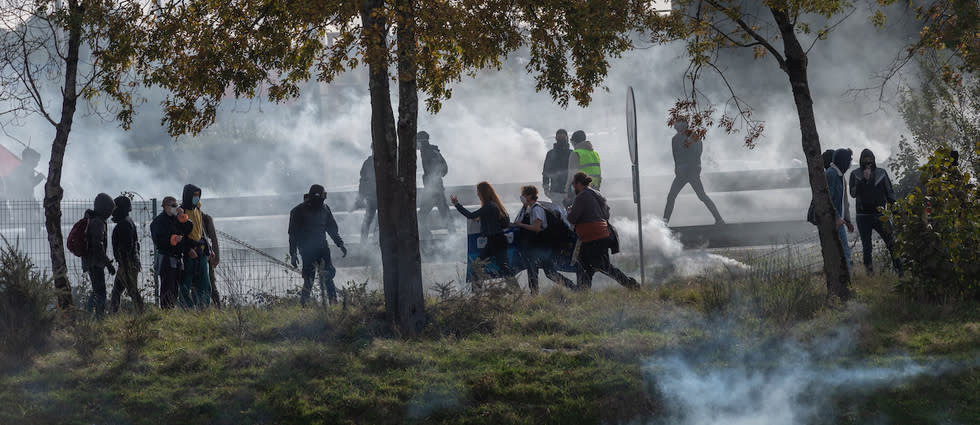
170, 211
523, 200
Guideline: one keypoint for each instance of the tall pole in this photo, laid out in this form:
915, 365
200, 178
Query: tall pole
634, 158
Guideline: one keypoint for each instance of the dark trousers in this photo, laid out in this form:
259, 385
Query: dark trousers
694, 179
97, 275
594, 257
169, 281
434, 195
215, 296
370, 210
868, 222
317, 261
496, 248
127, 279
196, 278
539, 257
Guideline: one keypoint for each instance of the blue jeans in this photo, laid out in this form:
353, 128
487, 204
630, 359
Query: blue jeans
842, 231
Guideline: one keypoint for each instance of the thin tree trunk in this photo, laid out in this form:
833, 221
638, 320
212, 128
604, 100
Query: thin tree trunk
53, 192
411, 299
834, 262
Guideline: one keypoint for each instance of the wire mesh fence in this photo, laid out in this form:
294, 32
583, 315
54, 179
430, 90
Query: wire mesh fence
244, 273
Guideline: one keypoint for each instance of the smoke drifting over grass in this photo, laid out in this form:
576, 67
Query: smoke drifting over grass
662, 248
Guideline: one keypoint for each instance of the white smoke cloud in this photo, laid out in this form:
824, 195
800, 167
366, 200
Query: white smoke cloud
662, 247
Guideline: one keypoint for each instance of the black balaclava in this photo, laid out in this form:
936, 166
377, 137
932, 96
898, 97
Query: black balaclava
123, 207
103, 205
842, 158
865, 155
316, 196
561, 142
828, 158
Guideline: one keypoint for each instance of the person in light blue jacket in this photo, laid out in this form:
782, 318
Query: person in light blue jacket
838, 197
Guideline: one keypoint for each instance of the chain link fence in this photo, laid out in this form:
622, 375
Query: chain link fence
244, 274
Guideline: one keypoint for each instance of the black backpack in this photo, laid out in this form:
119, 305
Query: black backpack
557, 232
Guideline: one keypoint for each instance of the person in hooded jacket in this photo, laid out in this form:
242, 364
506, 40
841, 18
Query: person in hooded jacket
309, 224
687, 170
96, 262
838, 197
126, 250
590, 215
828, 158
434, 168
554, 175
167, 231
872, 190
197, 249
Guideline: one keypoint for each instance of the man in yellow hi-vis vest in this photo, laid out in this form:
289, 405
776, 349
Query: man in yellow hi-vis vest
585, 159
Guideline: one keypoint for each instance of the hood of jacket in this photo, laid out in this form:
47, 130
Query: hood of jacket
103, 205
868, 154
561, 146
828, 158
842, 159
123, 207
587, 145
188, 196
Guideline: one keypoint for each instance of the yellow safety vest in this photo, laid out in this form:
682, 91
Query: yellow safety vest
588, 163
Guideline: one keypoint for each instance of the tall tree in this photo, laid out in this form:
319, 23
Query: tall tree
784, 31
52, 54
204, 47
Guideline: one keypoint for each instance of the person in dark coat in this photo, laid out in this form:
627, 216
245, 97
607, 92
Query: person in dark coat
309, 224
126, 250
168, 230
590, 215
434, 168
367, 194
828, 158
197, 271
838, 197
687, 170
494, 220
872, 190
96, 262
22, 180
554, 175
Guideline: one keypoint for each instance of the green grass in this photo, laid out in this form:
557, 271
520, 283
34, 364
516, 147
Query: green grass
557, 358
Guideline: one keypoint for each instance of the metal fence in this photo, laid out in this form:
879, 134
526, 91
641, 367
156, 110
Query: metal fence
245, 274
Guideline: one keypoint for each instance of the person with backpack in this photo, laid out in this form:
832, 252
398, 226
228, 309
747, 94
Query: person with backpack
167, 231
309, 224
434, 168
126, 250
494, 220
535, 241
872, 190
95, 262
197, 272
590, 215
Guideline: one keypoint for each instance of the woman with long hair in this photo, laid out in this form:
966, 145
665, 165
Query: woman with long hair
494, 220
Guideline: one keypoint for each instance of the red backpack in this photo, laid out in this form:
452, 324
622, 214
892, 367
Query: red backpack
76, 238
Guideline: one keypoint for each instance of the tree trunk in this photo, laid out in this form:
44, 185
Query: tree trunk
834, 263
411, 299
394, 167
53, 192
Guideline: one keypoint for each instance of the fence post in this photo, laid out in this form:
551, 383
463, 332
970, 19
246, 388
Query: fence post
156, 276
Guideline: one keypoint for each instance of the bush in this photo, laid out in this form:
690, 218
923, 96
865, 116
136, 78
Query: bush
937, 229
27, 307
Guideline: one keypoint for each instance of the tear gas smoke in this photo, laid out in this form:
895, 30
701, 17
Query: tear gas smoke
662, 248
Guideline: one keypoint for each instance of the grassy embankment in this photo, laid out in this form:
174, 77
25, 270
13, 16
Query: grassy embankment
558, 358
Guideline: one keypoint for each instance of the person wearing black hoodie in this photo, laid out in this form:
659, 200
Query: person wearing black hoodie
309, 223
434, 168
96, 262
872, 189
554, 175
126, 250
168, 230
197, 250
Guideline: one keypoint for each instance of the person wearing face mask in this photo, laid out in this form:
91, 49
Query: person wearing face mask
197, 272
590, 215
167, 231
554, 176
96, 262
309, 224
126, 250
532, 220
872, 190
838, 197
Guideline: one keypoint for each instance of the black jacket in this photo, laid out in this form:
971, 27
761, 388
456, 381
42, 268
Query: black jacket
309, 223
870, 193
125, 241
163, 228
687, 157
434, 166
491, 223
555, 171
96, 234
367, 188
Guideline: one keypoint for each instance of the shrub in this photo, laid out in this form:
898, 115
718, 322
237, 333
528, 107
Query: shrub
937, 229
27, 307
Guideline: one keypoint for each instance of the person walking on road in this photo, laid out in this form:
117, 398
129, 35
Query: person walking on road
687, 170
309, 224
